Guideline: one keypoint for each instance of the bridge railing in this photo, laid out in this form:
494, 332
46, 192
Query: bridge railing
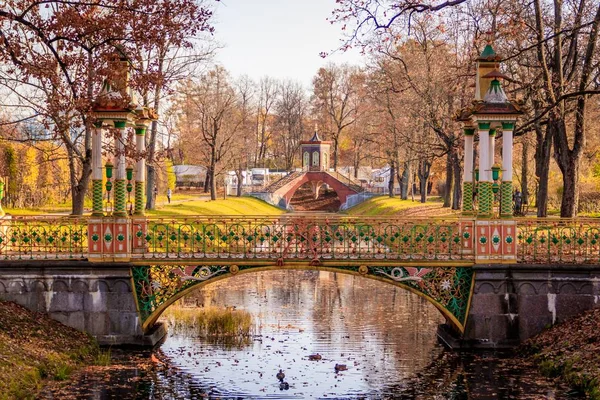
558, 240
291, 238
43, 237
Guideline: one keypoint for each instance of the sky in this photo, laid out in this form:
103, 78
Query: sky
278, 38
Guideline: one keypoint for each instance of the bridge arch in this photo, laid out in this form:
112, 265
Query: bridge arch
449, 289
340, 189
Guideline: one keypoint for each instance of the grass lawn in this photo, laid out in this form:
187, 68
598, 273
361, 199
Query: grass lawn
38, 211
230, 206
386, 206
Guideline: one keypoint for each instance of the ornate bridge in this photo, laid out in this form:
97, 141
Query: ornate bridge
162, 259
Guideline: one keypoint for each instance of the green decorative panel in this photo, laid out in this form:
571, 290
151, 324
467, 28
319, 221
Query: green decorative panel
506, 199
120, 198
139, 197
572, 241
468, 197
43, 238
448, 288
485, 198
289, 238
97, 197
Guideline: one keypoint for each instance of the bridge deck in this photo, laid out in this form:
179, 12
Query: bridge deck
301, 239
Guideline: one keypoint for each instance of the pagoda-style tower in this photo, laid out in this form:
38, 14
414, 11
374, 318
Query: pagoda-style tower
115, 108
490, 114
315, 154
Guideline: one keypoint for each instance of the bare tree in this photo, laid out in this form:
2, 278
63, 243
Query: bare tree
215, 117
267, 96
333, 90
290, 115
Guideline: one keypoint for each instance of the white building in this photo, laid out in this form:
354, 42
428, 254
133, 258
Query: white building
189, 175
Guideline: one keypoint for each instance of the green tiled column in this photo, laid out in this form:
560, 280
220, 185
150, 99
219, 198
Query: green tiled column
468, 176
97, 210
140, 176
139, 198
120, 193
506, 196
120, 198
468, 198
485, 199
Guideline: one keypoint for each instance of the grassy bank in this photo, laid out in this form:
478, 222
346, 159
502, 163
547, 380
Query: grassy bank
571, 352
382, 206
229, 206
34, 348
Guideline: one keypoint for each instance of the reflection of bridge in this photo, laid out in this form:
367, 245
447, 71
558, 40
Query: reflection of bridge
494, 280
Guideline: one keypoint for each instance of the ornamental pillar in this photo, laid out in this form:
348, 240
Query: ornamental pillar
468, 173
97, 171
507, 174
120, 196
484, 191
492, 152
140, 173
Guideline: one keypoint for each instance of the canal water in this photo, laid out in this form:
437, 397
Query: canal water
383, 336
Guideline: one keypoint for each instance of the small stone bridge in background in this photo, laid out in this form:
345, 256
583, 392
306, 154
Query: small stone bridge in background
496, 282
281, 192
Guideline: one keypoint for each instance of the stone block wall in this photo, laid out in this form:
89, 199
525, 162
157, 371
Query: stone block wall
92, 297
512, 303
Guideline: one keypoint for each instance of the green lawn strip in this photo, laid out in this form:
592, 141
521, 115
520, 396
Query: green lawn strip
384, 205
34, 348
229, 206
37, 211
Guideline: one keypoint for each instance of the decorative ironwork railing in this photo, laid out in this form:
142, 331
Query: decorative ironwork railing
558, 240
32, 237
297, 238
291, 238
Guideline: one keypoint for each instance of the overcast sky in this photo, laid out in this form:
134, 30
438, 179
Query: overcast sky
279, 38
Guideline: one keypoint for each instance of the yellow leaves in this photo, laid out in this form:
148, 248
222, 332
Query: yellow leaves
31, 168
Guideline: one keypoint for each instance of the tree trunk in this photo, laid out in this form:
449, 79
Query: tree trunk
207, 180
150, 168
240, 177
449, 180
568, 162
423, 173
525, 172
542, 168
391, 181
404, 184
458, 177
212, 169
423, 189
150, 185
79, 185
335, 153
213, 186
570, 195
356, 160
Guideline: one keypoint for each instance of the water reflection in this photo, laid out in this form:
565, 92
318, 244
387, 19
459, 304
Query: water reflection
385, 336
380, 333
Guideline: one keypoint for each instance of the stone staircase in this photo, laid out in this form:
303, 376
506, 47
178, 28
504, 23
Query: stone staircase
272, 188
346, 180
